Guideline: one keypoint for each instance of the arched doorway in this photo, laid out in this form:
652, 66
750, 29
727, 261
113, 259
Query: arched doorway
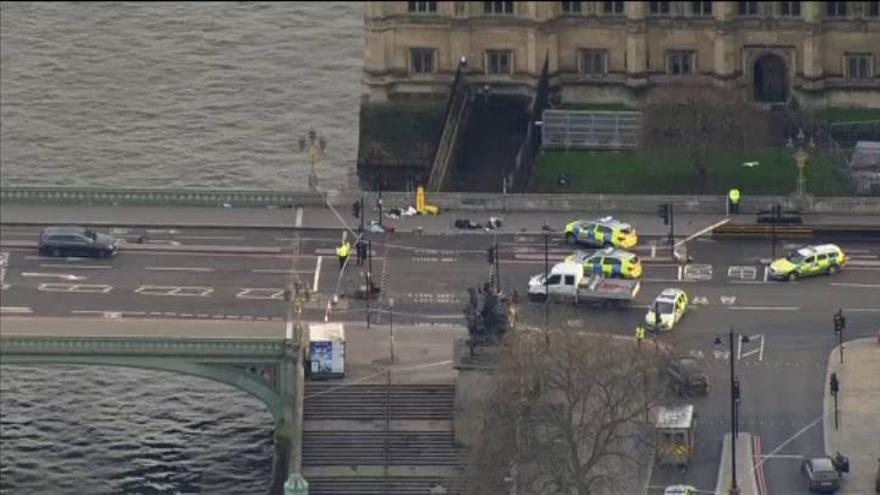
770, 79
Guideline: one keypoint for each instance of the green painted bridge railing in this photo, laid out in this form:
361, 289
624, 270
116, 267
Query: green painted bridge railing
126, 196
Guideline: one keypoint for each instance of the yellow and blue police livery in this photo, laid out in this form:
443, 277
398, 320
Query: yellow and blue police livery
606, 231
609, 262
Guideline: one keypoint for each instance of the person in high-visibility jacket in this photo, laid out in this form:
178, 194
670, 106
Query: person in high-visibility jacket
342, 253
733, 196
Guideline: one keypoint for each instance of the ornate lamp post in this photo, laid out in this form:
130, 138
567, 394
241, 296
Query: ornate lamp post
314, 146
800, 158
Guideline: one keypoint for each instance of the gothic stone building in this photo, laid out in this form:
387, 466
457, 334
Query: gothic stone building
822, 53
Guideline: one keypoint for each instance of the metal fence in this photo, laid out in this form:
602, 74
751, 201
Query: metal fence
585, 130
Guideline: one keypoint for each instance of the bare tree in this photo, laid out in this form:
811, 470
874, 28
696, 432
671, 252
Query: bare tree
698, 118
567, 415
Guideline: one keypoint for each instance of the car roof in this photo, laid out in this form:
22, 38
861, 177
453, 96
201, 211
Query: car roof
821, 464
818, 249
613, 222
670, 292
64, 229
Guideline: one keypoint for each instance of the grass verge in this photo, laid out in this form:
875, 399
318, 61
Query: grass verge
672, 173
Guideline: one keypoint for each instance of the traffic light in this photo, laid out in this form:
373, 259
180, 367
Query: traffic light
835, 384
356, 209
490, 255
839, 322
663, 212
736, 390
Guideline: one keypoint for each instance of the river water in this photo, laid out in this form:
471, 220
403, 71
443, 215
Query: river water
184, 94
174, 95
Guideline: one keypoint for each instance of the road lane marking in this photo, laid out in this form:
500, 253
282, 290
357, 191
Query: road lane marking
162, 231
863, 286
62, 276
279, 271
698, 272
289, 331
787, 441
75, 267
164, 290
679, 272
863, 310
299, 216
212, 237
179, 269
63, 287
765, 308
260, 293
15, 310
667, 280
317, 274
742, 272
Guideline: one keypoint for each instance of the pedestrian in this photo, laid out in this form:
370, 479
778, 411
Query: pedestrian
361, 251
733, 199
342, 253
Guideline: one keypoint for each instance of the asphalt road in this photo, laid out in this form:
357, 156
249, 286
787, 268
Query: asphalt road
240, 275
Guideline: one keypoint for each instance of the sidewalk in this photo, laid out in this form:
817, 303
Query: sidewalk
858, 435
323, 218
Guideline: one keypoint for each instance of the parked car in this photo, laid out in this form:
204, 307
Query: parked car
688, 377
821, 475
76, 241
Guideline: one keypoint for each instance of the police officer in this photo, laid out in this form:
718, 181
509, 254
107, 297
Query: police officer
640, 334
342, 253
733, 198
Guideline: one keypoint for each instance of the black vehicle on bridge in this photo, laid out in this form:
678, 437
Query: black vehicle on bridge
76, 241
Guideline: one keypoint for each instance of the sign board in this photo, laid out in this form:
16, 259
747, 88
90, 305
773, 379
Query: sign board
326, 350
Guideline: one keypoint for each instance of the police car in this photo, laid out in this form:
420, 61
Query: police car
609, 262
809, 260
671, 304
606, 231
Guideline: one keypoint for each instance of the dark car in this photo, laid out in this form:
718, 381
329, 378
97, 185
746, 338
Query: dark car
687, 377
821, 475
76, 241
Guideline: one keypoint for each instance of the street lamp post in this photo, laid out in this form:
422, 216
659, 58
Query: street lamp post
314, 146
734, 403
800, 158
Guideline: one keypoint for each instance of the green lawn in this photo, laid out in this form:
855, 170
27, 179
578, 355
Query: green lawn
672, 173
830, 115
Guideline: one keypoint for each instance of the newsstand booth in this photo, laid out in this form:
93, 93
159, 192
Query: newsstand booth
675, 435
326, 351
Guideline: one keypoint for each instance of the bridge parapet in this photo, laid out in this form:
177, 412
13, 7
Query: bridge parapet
264, 350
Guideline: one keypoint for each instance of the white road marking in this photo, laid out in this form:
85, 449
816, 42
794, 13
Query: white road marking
15, 310
786, 442
863, 263
299, 216
679, 272
62, 276
279, 271
653, 250
728, 300
766, 273
162, 231
75, 267
864, 286
666, 280
63, 287
212, 237
742, 272
163, 290
260, 293
765, 308
863, 310
317, 274
698, 272
179, 269
289, 331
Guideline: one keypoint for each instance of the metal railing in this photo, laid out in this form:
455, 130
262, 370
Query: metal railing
585, 130
457, 112
531, 145
138, 196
